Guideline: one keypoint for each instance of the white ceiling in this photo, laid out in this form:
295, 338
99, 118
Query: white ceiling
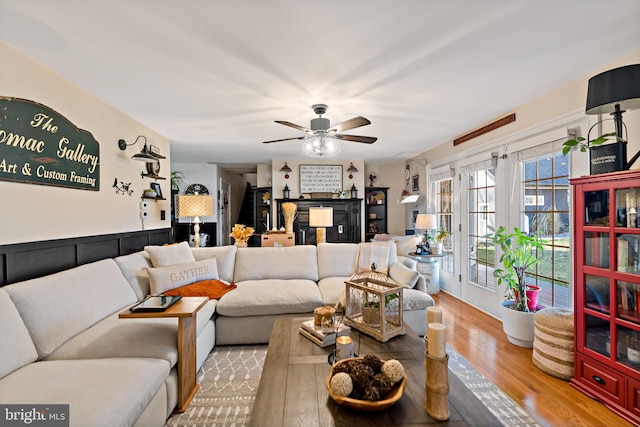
213, 75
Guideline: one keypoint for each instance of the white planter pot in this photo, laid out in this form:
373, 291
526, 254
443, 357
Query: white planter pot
518, 325
436, 248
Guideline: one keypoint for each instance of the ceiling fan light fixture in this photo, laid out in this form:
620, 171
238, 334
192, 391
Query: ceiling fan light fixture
320, 145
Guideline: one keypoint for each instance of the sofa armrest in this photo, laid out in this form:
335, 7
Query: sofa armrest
408, 262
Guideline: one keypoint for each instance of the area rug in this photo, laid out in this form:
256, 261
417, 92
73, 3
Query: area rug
230, 376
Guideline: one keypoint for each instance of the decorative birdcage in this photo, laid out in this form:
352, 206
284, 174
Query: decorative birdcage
374, 305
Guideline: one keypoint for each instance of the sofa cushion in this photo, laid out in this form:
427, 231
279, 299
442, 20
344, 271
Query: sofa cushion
270, 296
17, 348
403, 275
331, 288
295, 262
100, 393
115, 337
133, 267
163, 256
57, 307
163, 279
225, 257
337, 259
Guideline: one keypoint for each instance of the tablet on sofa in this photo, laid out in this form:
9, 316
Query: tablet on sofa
156, 303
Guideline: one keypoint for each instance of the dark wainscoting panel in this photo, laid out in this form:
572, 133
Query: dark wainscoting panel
25, 261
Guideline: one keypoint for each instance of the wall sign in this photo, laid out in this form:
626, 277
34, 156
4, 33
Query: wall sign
40, 146
320, 178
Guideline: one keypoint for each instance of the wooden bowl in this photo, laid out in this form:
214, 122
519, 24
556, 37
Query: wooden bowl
367, 405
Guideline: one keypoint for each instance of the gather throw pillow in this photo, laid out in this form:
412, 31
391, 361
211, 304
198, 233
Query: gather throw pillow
163, 279
214, 289
164, 256
403, 275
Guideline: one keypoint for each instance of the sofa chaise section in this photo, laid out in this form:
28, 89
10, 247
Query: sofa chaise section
106, 392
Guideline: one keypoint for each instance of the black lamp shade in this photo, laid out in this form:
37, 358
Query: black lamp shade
618, 86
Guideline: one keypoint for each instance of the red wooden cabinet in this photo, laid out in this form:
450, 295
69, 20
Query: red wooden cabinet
607, 290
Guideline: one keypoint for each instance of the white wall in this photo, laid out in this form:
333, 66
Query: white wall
36, 212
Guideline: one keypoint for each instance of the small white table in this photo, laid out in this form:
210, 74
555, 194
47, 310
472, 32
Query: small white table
430, 270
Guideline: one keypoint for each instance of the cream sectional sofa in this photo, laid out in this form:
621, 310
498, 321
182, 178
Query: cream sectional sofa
63, 343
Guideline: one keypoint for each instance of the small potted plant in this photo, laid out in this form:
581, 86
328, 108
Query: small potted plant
379, 197
342, 194
520, 252
150, 193
266, 198
437, 246
371, 308
241, 234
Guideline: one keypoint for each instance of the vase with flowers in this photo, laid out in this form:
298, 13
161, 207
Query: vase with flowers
241, 234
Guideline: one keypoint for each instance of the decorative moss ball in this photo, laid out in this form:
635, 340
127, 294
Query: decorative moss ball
393, 370
341, 384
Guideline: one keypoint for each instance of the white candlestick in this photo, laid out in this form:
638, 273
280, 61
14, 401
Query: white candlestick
437, 346
434, 315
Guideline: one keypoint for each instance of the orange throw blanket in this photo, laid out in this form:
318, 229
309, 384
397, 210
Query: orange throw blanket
214, 289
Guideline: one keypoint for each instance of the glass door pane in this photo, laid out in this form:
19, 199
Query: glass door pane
597, 293
597, 336
629, 347
596, 249
627, 251
627, 205
627, 299
596, 204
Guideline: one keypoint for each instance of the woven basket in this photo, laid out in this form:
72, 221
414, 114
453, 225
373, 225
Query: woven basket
553, 348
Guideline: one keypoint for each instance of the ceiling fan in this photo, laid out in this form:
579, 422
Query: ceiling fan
321, 139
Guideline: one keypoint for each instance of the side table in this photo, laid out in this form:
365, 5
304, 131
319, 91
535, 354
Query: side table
430, 270
185, 310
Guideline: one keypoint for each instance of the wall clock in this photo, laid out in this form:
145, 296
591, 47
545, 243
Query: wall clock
196, 189
153, 168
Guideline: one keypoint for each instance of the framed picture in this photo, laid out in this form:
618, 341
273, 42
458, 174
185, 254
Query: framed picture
156, 187
415, 179
320, 178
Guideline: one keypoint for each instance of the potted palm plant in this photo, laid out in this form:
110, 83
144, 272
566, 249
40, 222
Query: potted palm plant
520, 252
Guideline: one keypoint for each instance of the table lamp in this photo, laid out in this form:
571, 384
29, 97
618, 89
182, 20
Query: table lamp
320, 218
425, 222
195, 206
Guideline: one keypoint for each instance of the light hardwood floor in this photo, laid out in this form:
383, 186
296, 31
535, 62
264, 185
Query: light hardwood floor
479, 338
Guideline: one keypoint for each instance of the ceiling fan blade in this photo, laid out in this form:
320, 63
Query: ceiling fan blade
356, 122
356, 138
285, 139
295, 126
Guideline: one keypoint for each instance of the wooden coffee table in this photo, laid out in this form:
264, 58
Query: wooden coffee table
292, 386
185, 310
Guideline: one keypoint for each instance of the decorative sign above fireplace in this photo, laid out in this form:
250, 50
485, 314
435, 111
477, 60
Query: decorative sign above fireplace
40, 146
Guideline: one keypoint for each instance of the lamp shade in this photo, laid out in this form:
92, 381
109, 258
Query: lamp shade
426, 222
618, 86
194, 206
320, 217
